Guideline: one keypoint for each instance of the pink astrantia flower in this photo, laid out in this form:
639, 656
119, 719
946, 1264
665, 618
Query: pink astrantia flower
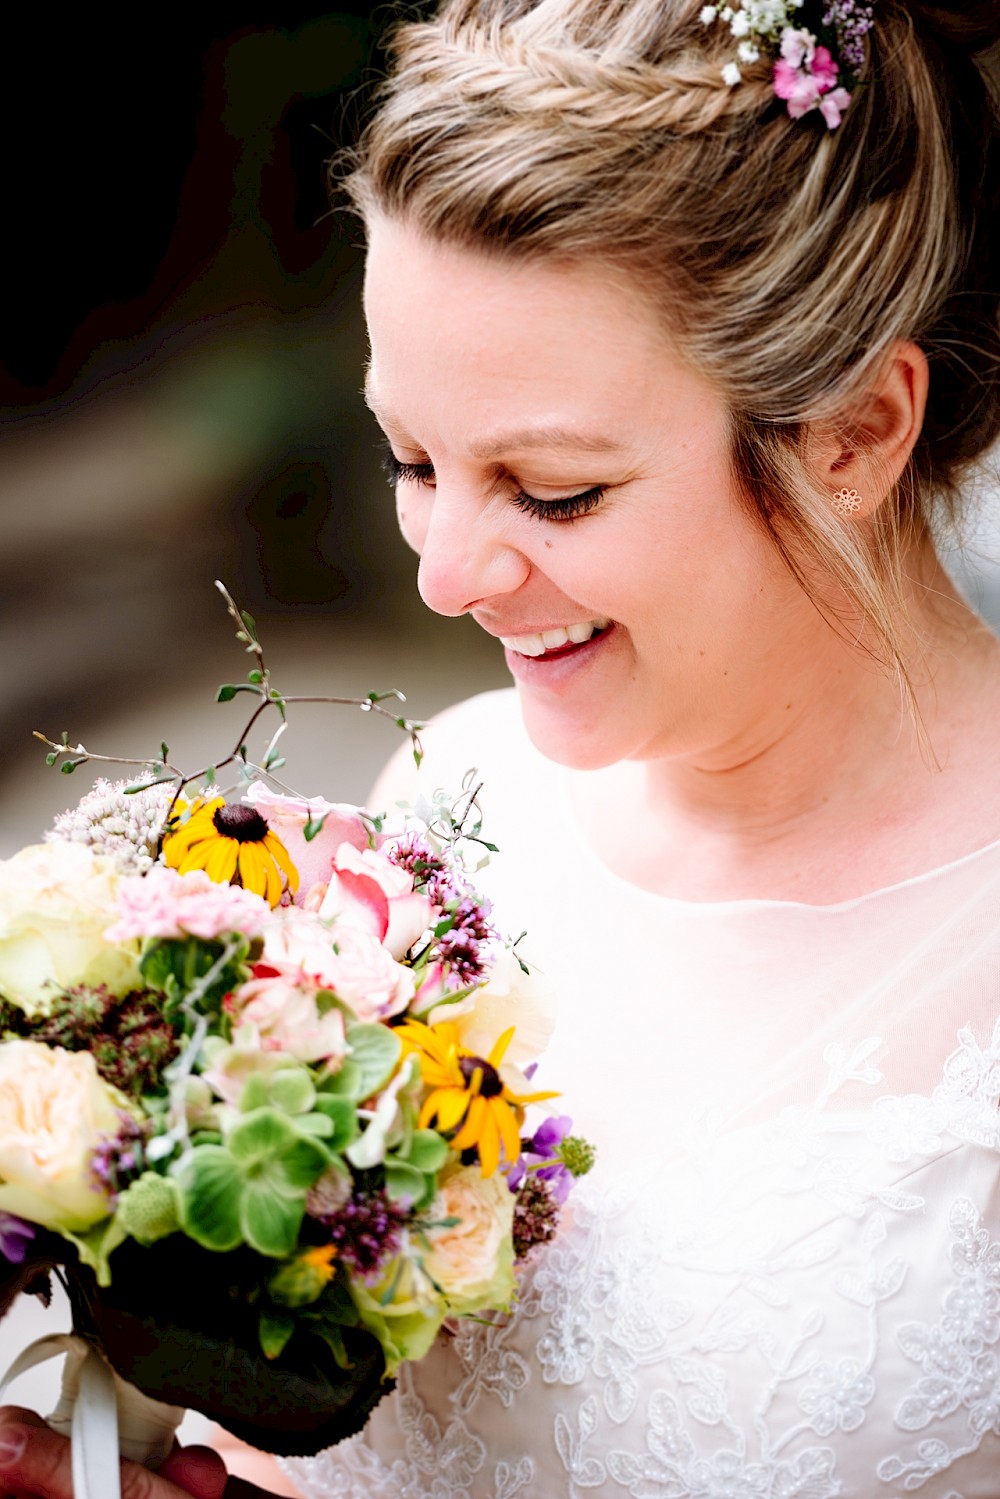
164, 903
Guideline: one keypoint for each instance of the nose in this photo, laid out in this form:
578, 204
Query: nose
464, 555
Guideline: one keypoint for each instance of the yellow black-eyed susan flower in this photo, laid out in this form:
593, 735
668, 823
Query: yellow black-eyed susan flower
233, 845
465, 1087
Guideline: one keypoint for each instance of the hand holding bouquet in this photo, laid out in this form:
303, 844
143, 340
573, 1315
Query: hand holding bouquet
261, 1098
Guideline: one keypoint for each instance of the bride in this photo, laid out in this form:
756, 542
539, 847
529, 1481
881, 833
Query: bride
684, 338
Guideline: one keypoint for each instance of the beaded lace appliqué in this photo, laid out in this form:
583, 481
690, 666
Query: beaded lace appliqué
723, 1330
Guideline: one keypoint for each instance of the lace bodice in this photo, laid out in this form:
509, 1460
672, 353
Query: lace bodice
783, 1279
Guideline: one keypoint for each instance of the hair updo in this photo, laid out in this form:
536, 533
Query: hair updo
786, 258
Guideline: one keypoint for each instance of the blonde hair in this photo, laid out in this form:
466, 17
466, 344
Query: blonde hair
786, 259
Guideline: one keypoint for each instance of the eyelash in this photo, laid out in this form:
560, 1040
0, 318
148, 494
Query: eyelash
570, 508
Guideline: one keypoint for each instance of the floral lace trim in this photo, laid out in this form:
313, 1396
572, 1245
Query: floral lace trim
596, 1313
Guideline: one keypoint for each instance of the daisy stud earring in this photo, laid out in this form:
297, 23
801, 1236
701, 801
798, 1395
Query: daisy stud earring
846, 502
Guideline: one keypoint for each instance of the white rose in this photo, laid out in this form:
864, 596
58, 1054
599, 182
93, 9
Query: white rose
472, 1260
54, 1110
56, 902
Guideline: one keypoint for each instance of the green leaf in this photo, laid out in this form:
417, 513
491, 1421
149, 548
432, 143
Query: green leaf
95, 1246
428, 1150
316, 1126
228, 691
261, 1136
289, 1089
68, 766
343, 1117
404, 1181
256, 676
303, 1164
334, 1340
346, 1082
274, 762
209, 777
313, 827
375, 1050
274, 1334
210, 1190
250, 623
51, 758
271, 1222
164, 752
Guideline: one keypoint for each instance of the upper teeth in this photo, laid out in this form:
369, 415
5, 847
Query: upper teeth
551, 640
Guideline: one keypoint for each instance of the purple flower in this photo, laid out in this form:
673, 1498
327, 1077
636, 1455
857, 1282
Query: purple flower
367, 1230
544, 1146
15, 1236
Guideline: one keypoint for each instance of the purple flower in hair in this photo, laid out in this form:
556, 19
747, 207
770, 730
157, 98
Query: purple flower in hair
15, 1236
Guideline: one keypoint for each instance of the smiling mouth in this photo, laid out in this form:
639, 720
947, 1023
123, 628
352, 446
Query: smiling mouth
555, 642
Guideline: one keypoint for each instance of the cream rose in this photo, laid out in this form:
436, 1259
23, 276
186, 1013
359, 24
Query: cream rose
56, 902
54, 1110
472, 1261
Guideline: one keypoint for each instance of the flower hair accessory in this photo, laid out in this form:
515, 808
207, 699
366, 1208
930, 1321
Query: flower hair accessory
807, 73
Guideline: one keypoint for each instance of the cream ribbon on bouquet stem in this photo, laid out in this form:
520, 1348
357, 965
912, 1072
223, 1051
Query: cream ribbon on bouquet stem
105, 1417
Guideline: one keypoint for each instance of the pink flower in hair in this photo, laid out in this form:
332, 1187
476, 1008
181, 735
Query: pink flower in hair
823, 69
796, 87
833, 106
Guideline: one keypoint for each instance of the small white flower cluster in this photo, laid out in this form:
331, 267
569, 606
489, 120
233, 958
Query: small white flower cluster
755, 21
123, 828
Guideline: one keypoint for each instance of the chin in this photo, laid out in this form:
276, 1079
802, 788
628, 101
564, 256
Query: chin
565, 741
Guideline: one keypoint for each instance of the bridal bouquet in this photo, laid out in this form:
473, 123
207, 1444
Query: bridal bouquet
262, 1106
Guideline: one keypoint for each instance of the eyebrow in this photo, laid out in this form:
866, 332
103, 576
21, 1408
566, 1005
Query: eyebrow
517, 439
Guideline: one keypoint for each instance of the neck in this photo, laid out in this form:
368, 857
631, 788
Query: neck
833, 785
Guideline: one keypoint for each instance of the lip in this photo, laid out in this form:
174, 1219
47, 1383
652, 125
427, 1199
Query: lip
558, 668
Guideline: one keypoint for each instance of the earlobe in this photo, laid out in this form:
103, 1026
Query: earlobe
882, 430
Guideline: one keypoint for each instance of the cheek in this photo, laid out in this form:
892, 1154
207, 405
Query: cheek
411, 516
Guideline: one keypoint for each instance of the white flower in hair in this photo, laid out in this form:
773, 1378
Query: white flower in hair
731, 74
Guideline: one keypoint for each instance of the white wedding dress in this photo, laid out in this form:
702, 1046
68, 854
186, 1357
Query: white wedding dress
782, 1280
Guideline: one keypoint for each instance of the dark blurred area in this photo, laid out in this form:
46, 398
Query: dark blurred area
181, 355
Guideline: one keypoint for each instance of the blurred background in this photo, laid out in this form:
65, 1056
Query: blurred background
181, 356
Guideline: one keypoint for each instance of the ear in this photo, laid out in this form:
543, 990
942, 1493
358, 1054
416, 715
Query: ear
871, 447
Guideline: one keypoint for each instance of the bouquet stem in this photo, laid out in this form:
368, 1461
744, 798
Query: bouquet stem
105, 1417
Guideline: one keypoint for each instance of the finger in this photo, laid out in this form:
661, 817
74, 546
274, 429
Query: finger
196, 1470
35, 1461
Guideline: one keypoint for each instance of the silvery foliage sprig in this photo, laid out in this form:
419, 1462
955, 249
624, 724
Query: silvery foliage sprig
807, 74
161, 778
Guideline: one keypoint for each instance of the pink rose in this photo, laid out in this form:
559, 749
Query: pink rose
287, 1018
300, 946
366, 977
287, 816
367, 891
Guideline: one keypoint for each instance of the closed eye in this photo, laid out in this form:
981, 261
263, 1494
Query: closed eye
568, 508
